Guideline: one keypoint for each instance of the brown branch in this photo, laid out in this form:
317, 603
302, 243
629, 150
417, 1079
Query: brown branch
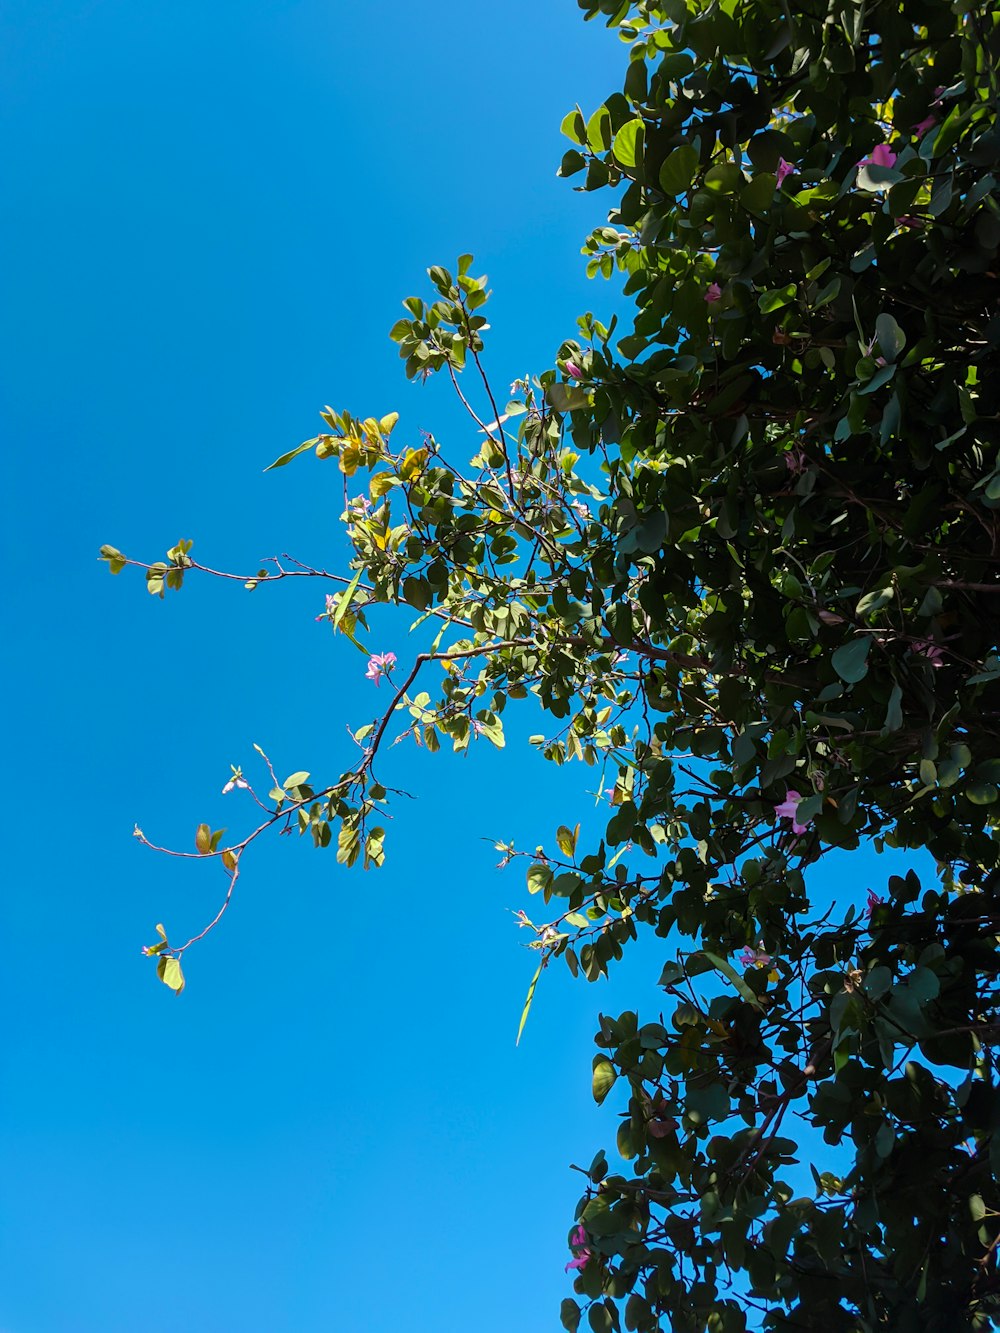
305, 572
234, 875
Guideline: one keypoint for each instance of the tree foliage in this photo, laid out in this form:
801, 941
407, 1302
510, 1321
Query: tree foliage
744, 559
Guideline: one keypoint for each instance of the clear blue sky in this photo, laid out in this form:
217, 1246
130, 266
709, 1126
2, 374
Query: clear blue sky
210, 214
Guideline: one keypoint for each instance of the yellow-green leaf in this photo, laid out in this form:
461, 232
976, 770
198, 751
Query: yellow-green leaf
169, 972
527, 1002
566, 840
603, 1079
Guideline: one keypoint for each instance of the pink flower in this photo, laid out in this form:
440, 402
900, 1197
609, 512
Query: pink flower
331, 606
380, 664
785, 169
907, 221
830, 618
573, 370
795, 459
881, 156
922, 126
578, 1240
754, 957
787, 810
873, 901
235, 782
924, 648
714, 293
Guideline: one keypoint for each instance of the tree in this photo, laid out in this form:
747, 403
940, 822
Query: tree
744, 559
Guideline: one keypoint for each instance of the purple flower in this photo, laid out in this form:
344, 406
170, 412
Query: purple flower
578, 1240
714, 293
795, 459
785, 169
754, 957
573, 370
924, 648
787, 810
873, 901
880, 156
379, 665
922, 126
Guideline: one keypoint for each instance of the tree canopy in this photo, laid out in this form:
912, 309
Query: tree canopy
743, 557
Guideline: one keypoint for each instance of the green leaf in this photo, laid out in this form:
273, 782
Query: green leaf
292, 453
203, 839
567, 397
724, 178
603, 1078
894, 712
374, 849
891, 338
874, 601
776, 298
678, 169
982, 793
706, 1103
168, 969
527, 1001
573, 127
539, 878
345, 599
628, 143
850, 661
599, 1317
874, 179
882, 375
569, 1315
599, 131
730, 973
296, 780
758, 196
990, 671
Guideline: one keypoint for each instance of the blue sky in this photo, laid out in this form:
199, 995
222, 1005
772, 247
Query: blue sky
210, 215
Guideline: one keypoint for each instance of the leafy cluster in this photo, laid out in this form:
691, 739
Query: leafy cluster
744, 558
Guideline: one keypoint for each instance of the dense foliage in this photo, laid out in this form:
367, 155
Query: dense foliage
744, 558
